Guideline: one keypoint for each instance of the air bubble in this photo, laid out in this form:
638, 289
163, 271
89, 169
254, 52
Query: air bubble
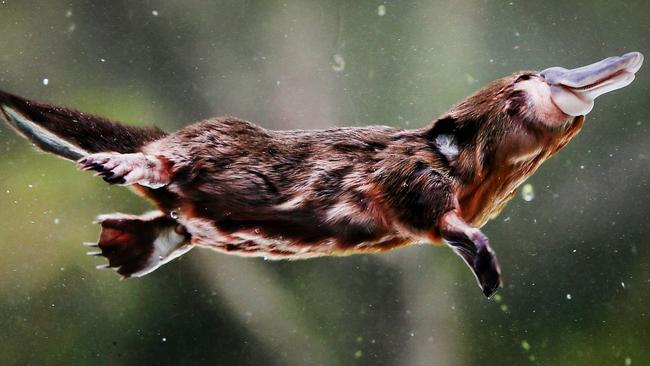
527, 192
338, 62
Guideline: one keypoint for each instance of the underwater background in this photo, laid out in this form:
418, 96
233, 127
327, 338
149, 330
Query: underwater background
573, 245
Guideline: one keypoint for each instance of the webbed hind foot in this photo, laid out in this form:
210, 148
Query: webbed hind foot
137, 245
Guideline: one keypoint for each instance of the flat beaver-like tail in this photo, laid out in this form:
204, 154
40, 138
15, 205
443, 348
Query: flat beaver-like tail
69, 133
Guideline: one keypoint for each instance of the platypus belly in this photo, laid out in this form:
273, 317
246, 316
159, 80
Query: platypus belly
288, 230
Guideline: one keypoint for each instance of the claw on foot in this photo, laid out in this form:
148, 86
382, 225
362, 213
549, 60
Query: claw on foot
137, 245
125, 169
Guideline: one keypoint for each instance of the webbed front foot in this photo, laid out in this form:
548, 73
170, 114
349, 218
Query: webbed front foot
474, 247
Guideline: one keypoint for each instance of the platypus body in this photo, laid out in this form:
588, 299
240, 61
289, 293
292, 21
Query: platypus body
229, 185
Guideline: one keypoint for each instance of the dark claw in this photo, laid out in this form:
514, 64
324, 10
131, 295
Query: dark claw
114, 180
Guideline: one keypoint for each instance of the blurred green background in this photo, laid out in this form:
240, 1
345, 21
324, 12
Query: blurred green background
575, 258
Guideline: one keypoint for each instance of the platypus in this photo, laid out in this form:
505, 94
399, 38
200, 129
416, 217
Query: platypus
232, 186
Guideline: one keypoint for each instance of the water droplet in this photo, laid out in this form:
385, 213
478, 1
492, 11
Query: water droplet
525, 345
338, 64
527, 192
381, 10
164, 339
46, 81
154, 13
568, 296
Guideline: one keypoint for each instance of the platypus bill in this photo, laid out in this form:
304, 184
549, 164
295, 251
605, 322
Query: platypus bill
229, 185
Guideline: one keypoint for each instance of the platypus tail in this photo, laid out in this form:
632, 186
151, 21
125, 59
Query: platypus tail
71, 134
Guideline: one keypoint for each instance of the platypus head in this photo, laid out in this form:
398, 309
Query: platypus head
497, 137
528, 109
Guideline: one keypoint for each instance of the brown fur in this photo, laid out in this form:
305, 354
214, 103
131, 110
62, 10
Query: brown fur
242, 189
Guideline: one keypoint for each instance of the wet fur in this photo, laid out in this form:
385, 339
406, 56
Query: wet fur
238, 188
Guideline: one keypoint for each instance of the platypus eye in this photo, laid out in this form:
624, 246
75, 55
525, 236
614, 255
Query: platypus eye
523, 77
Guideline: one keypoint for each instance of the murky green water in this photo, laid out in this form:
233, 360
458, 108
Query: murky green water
573, 245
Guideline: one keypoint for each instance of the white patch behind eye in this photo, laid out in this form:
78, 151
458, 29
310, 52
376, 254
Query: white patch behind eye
448, 146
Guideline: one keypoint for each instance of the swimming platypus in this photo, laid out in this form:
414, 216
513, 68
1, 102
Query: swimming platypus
229, 185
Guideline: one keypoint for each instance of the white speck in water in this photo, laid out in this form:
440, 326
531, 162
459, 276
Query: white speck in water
164, 339
102, 60
527, 192
277, 83
628, 361
568, 296
338, 62
506, 219
68, 13
154, 13
582, 166
623, 284
46, 81
517, 34
72, 27
57, 221
30, 186
381, 10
